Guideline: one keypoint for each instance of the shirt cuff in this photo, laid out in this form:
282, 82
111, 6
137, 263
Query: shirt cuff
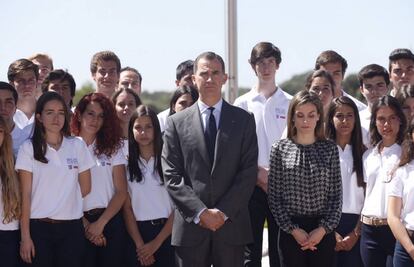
196, 219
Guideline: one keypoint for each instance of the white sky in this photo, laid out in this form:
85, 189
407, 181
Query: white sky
154, 36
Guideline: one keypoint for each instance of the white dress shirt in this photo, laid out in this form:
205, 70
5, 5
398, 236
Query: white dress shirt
365, 118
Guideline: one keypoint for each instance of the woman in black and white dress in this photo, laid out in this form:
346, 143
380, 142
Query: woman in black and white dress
305, 192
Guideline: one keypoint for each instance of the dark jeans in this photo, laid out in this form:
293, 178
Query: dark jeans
111, 254
401, 257
9, 248
57, 244
377, 246
164, 256
293, 256
352, 257
259, 212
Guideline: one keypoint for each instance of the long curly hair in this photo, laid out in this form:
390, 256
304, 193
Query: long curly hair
9, 182
109, 137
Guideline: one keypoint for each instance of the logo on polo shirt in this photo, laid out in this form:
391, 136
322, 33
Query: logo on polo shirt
280, 113
72, 163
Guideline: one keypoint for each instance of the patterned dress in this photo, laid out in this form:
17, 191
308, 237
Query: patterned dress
305, 181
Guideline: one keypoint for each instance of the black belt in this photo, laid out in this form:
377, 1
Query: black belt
53, 221
92, 212
160, 221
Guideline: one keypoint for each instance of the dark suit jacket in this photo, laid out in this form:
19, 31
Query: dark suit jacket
194, 182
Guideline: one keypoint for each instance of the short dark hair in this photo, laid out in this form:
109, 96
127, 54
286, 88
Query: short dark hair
185, 67
60, 75
330, 56
8, 87
134, 70
400, 53
407, 91
104, 56
210, 56
372, 70
20, 65
38, 56
386, 101
264, 50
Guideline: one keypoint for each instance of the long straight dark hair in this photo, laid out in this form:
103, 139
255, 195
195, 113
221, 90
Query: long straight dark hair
39, 138
135, 173
358, 147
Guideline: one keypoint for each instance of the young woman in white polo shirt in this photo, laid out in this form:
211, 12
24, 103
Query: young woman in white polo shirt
96, 122
387, 128
401, 206
148, 209
9, 201
54, 172
343, 126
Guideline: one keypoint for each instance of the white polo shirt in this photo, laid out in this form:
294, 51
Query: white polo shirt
56, 191
352, 194
11, 226
21, 120
162, 118
125, 149
365, 118
402, 186
149, 198
377, 174
102, 179
270, 116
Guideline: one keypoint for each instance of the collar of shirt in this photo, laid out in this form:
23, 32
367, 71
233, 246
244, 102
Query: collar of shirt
257, 96
205, 112
146, 166
386, 151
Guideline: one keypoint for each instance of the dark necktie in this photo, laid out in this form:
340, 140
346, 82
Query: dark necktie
210, 134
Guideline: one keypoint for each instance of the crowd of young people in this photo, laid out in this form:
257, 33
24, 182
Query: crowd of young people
92, 185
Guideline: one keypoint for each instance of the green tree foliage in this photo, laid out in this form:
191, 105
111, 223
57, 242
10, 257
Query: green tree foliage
86, 88
351, 85
296, 83
158, 100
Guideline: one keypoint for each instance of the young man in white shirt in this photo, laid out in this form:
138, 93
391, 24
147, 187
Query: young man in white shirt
23, 75
336, 65
401, 68
269, 104
373, 83
105, 68
130, 78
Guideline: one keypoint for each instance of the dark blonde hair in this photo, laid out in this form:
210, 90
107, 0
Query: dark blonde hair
301, 98
9, 183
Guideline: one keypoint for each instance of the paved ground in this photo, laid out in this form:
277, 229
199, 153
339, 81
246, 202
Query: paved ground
265, 259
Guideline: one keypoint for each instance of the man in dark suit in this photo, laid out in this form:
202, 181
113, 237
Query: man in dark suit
209, 160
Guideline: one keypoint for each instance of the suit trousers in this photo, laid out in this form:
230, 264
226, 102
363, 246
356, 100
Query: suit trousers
377, 246
57, 244
210, 252
293, 256
9, 248
259, 212
111, 254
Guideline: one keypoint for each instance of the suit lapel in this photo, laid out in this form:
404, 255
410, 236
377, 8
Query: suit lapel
196, 126
224, 133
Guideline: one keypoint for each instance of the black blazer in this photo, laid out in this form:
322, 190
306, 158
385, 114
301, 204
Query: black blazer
194, 182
